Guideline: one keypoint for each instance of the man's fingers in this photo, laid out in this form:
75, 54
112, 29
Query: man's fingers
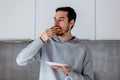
56, 67
65, 69
50, 32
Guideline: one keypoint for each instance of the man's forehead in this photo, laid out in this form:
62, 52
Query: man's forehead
61, 13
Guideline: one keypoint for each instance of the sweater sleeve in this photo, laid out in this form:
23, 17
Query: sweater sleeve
29, 52
87, 71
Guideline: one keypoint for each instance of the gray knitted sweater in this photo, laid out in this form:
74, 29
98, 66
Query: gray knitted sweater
73, 53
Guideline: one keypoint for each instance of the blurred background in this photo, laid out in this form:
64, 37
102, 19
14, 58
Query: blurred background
97, 25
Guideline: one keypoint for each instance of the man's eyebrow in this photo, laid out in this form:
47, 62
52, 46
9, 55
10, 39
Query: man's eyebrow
59, 17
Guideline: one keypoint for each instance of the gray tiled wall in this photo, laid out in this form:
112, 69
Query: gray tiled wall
105, 58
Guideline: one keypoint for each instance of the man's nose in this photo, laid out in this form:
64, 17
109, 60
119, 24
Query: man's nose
56, 22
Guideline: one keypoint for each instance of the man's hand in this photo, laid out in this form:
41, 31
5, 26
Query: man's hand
50, 32
65, 69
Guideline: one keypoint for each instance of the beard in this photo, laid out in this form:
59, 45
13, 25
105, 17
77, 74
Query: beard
63, 32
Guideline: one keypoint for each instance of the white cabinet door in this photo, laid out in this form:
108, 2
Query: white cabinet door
108, 19
17, 19
85, 23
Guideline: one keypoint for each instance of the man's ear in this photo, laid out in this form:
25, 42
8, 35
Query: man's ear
72, 22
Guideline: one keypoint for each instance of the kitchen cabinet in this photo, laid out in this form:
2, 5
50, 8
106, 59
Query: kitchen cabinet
17, 19
107, 19
85, 23
27, 19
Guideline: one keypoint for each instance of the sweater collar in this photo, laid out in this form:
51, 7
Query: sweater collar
73, 40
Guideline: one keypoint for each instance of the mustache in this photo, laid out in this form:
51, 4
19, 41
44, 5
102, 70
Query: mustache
57, 26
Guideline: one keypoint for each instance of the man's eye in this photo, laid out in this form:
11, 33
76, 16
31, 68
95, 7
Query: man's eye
60, 19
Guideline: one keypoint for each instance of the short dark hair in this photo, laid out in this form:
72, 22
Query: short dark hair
71, 13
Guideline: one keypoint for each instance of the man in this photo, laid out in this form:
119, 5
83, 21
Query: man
58, 45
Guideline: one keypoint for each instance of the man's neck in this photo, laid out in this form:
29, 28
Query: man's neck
66, 37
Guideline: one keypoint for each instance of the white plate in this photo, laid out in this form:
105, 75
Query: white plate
57, 64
